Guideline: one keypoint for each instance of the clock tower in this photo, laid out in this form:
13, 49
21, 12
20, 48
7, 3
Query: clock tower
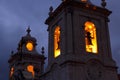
79, 44
26, 63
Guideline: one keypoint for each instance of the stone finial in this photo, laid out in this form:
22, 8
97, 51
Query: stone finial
50, 10
12, 52
103, 3
28, 30
42, 50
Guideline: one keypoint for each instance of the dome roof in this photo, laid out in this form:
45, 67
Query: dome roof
28, 37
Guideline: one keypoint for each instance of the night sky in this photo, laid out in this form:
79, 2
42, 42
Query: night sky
17, 15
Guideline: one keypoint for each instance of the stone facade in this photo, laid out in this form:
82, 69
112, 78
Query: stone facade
119, 76
73, 62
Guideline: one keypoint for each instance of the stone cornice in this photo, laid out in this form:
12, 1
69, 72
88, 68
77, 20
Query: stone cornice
89, 7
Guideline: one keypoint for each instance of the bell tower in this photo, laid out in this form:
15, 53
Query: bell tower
79, 44
26, 63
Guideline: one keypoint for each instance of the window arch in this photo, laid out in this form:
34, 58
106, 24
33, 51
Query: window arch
30, 68
57, 42
90, 37
11, 71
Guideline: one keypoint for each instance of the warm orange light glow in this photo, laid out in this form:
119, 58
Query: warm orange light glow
57, 42
30, 68
83, 0
29, 46
11, 71
90, 37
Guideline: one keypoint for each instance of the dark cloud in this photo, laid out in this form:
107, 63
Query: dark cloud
16, 15
115, 30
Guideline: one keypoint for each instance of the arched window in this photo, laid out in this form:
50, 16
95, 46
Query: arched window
90, 37
11, 71
57, 42
30, 68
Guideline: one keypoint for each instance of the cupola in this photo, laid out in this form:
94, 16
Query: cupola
27, 43
26, 62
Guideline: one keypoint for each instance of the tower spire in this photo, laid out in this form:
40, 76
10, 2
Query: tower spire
28, 30
103, 3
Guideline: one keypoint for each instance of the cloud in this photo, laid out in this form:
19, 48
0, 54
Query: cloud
16, 15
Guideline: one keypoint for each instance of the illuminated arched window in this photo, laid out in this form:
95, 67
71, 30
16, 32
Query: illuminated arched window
90, 37
30, 68
57, 42
11, 71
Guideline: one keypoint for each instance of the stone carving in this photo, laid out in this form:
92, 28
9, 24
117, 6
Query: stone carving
94, 71
22, 75
17, 75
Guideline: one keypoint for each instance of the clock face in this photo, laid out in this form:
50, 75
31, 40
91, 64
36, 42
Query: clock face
29, 46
